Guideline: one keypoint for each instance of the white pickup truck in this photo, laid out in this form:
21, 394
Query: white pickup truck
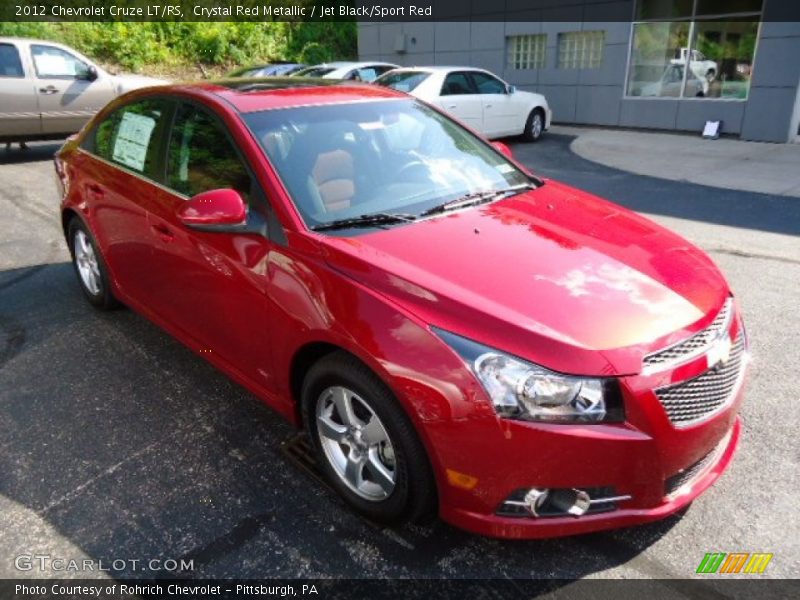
699, 64
48, 90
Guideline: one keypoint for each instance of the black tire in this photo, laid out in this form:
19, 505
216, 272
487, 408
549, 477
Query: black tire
102, 297
532, 133
414, 495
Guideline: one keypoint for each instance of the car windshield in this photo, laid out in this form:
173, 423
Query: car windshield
404, 81
341, 161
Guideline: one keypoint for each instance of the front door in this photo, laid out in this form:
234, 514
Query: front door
211, 285
500, 113
67, 99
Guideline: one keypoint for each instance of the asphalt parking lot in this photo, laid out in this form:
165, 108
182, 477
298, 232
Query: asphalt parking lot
118, 443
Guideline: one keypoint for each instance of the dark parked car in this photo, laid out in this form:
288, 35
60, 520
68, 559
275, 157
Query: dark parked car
276, 69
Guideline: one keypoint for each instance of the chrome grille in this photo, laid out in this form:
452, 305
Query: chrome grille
696, 399
694, 346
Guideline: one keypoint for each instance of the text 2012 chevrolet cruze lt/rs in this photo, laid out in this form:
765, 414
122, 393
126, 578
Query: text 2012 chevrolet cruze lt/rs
454, 333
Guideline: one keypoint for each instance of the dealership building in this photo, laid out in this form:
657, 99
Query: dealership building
654, 64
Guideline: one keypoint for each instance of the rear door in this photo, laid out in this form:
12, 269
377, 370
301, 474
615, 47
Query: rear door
67, 99
117, 171
460, 98
19, 111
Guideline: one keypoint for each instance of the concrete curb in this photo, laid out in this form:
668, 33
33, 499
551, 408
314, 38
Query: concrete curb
723, 163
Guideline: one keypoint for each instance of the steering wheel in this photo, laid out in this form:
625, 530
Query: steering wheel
410, 167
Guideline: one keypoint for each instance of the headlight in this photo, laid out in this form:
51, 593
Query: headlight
522, 390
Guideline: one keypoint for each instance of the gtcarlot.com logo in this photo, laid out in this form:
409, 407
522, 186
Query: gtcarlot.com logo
736, 562
47, 562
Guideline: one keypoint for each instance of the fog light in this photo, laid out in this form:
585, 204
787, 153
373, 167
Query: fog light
535, 499
573, 502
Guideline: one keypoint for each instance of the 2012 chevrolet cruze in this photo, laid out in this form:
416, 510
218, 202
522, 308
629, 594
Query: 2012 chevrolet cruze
453, 332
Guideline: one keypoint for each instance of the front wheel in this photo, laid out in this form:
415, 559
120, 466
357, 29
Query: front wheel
534, 126
365, 443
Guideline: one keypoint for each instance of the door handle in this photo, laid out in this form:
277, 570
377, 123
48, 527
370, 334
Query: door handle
48, 90
164, 233
451, 106
488, 106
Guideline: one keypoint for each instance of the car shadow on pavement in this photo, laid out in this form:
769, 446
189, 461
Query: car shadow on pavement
132, 448
552, 157
35, 152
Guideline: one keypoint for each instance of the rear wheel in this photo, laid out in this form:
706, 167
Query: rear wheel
365, 443
534, 126
89, 266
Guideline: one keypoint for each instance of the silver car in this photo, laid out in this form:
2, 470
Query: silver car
48, 90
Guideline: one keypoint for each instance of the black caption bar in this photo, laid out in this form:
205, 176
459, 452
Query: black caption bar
350, 10
409, 589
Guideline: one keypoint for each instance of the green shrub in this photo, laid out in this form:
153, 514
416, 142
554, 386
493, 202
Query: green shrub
139, 45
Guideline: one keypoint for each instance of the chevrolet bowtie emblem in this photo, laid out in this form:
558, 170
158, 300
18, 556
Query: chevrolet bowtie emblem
720, 352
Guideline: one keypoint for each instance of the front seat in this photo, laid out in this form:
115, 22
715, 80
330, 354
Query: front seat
332, 174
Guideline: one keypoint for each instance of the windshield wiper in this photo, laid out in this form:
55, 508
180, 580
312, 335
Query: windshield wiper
365, 221
476, 198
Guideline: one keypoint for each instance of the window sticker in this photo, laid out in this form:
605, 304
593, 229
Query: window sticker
133, 139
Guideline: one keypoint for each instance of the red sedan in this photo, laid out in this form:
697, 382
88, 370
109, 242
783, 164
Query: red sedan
455, 334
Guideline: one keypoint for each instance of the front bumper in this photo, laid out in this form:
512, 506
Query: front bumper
628, 513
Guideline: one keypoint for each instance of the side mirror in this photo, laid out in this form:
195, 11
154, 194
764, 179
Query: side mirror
503, 148
220, 210
510, 89
90, 74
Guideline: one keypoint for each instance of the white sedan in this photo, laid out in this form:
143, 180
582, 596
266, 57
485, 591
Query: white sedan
477, 98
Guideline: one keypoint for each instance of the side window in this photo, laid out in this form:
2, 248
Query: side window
367, 74
202, 158
10, 64
456, 84
55, 63
129, 136
487, 84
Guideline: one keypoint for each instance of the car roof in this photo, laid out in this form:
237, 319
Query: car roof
256, 94
440, 69
341, 64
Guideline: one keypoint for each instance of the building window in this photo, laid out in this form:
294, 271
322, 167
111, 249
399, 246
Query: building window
580, 49
705, 51
526, 51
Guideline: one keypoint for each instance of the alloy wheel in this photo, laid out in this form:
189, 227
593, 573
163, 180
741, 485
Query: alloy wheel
86, 261
356, 443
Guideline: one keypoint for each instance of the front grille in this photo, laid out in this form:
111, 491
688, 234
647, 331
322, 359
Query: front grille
694, 346
696, 399
693, 472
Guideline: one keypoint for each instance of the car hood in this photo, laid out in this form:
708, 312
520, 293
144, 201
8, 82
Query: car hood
125, 82
555, 275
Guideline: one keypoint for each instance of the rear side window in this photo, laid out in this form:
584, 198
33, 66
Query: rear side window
129, 136
201, 157
456, 84
10, 64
